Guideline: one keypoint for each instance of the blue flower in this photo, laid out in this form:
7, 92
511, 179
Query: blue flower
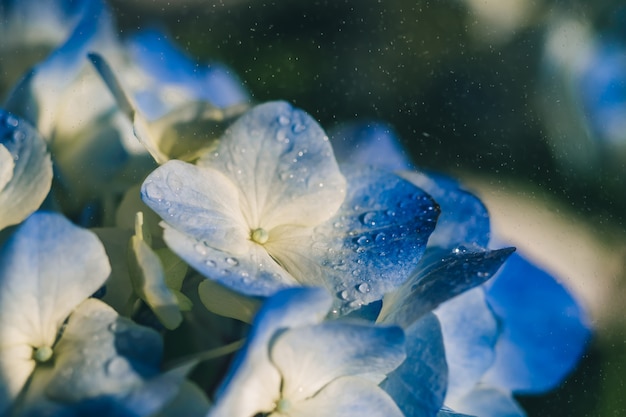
270, 208
498, 339
295, 364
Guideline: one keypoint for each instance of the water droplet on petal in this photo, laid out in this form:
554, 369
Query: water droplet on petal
459, 250
153, 191
174, 182
118, 326
343, 295
116, 366
200, 248
210, 263
369, 219
232, 261
482, 274
283, 120
363, 287
298, 127
380, 237
363, 240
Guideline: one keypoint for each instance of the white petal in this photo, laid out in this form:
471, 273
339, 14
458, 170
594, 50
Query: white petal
253, 383
252, 272
200, 202
347, 397
23, 190
311, 357
16, 366
283, 163
47, 268
6, 166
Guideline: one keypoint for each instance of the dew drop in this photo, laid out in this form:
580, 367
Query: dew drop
380, 237
153, 192
283, 120
459, 250
200, 248
482, 274
210, 263
298, 127
369, 219
343, 295
118, 326
363, 240
11, 121
116, 366
363, 287
232, 261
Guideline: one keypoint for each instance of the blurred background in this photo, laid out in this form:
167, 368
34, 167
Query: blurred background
524, 100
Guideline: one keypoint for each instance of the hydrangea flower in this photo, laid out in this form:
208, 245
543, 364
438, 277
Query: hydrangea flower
270, 209
59, 348
294, 364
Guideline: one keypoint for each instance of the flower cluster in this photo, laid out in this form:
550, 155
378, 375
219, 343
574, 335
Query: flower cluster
153, 221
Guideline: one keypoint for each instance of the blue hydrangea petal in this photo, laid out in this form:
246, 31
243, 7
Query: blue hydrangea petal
374, 144
252, 272
487, 401
441, 276
470, 332
545, 330
373, 242
154, 53
418, 385
27, 170
282, 163
347, 397
309, 358
252, 375
464, 218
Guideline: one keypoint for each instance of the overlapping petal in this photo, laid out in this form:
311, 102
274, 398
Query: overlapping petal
25, 170
371, 244
442, 276
470, 331
47, 268
253, 383
309, 358
544, 333
282, 163
418, 385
